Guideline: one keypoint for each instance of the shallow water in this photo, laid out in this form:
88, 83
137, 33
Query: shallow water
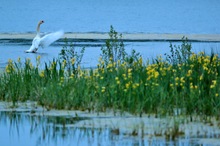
148, 50
31, 124
25, 129
147, 16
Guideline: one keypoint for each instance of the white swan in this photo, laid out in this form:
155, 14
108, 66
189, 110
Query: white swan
44, 41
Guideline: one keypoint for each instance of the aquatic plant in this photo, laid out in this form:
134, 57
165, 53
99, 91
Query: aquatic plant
114, 48
71, 57
179, 54
114, 51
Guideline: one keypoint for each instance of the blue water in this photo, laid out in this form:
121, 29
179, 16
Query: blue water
148, 50
147, 16
21, 129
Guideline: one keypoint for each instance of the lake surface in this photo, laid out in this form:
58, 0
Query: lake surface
146, 16
24, 128
149, 50
128, 16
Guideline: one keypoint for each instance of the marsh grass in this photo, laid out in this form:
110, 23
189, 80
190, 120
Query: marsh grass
71, 57
183, 80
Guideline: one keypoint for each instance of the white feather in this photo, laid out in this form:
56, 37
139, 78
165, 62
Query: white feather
44, 41
50, 38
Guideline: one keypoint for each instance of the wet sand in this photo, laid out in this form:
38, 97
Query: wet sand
126, 36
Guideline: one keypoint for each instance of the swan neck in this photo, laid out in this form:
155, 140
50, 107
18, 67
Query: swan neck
38, 27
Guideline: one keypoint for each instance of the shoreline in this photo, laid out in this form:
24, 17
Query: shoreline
125, 36
126, 124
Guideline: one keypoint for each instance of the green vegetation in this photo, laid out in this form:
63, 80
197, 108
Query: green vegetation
71, 58
183, 81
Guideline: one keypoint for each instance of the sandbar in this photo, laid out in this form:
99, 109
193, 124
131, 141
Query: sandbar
125, 36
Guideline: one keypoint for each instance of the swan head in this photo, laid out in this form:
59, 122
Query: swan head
42, 21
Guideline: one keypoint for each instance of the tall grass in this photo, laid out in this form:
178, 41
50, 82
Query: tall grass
184, 81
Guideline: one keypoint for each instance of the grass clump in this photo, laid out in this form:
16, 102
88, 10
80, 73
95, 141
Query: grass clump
184, 81
114, 51
71, 57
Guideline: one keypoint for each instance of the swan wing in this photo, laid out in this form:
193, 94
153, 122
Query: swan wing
50, 38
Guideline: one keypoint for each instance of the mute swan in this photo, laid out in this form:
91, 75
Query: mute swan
44, 41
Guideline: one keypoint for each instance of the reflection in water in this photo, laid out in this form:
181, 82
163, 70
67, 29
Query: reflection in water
26, 129
43, 129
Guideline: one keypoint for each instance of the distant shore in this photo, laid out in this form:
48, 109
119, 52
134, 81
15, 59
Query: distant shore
125, 36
